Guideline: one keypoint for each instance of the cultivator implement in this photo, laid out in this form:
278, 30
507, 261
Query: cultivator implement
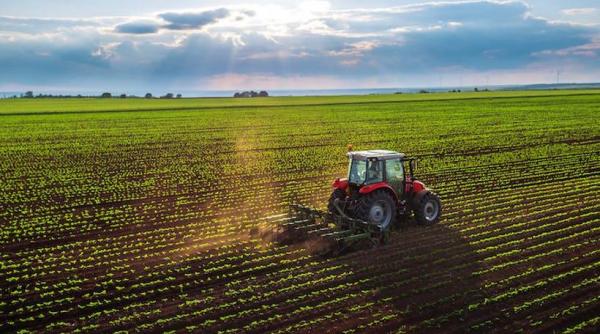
324, 232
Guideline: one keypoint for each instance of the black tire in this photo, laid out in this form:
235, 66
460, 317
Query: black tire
427, 208
336, 194
384, 216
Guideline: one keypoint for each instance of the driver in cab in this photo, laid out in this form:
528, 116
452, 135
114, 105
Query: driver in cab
375, 172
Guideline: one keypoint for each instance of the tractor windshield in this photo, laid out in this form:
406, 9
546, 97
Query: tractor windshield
357, 170
365, 171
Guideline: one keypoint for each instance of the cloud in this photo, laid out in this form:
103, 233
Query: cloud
181, 21
589, 50
137, 27
31, 25
468, 35
579, 11
47, 61
191, 20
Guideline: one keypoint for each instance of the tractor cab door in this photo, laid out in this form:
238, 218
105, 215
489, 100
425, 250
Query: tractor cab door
395, 175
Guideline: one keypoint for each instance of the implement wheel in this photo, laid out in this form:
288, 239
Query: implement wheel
427, 208
379, 208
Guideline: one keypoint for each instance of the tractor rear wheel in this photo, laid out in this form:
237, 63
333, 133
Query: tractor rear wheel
336, 194
378, 207
427, 208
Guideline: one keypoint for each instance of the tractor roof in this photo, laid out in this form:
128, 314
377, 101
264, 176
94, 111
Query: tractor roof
379, 154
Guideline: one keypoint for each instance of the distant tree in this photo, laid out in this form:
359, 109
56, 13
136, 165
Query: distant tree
423, 91
168, 96
253, 94
106, 95
148, 96
263, 93
476, 89
123, 96
237, 94
178, 96
28, 94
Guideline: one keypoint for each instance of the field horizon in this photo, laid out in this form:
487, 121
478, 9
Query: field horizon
310, 91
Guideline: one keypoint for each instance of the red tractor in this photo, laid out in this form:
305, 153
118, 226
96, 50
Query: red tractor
380, 188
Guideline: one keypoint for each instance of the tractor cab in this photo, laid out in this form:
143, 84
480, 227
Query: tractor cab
386, 168
371, 167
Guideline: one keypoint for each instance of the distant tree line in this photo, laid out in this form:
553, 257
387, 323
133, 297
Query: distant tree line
251, 93
474, 89
105, 95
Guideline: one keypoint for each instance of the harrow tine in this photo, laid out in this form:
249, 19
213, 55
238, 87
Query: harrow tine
296, 223
354, 237
310, 228
337, 234
280, 215
320, 232
281, 220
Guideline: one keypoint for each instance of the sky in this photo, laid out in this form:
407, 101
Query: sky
135, 45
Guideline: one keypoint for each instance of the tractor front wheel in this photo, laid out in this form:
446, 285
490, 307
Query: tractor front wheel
427, 208
378, 207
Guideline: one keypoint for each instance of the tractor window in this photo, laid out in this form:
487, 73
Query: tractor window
394, 170
375, 171
357, 171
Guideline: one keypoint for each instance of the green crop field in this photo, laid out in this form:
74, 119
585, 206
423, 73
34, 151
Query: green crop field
136, 215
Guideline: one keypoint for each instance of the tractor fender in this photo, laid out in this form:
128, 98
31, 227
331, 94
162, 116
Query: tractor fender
418, 186
340, 184
413, 186
376, 186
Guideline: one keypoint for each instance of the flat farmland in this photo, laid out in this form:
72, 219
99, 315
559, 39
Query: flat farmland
134, 215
